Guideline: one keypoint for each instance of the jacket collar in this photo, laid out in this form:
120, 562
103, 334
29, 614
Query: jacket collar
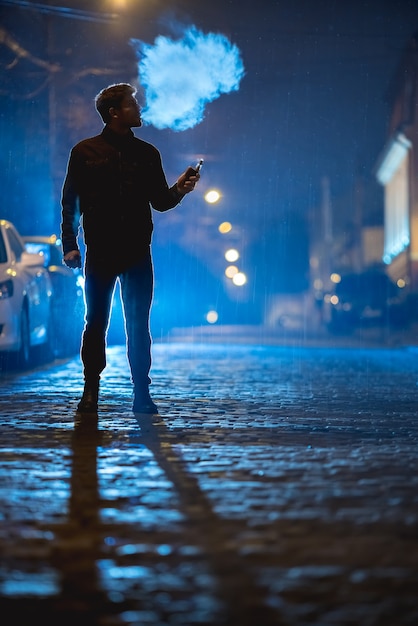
115, 139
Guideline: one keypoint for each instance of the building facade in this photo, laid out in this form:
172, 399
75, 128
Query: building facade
397, 172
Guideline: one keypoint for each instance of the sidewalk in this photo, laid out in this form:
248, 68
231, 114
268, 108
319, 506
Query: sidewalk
314, 337
278, 486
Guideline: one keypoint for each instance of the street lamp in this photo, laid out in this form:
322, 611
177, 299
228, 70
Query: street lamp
212, 196
232, 255
118, 5
225, 227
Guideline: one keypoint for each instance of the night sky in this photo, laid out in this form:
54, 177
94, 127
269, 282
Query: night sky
312, 103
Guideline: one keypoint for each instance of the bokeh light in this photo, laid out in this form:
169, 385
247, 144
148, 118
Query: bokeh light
232, 255
231, 270
212, 317
225, 227
239, 279
212, 196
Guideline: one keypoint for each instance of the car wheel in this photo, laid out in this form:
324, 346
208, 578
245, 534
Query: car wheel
24, 353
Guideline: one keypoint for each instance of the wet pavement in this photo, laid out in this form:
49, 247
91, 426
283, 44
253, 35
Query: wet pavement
278, 486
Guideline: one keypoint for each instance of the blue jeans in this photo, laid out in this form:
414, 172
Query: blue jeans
137, 284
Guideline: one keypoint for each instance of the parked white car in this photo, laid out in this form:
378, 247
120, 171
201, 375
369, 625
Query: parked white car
25, 298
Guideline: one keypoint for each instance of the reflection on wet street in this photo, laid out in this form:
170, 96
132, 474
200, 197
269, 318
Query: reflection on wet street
278, 485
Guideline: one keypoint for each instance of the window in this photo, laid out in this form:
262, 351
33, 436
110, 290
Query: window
15, 244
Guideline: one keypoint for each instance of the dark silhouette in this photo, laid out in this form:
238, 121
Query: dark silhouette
113, 180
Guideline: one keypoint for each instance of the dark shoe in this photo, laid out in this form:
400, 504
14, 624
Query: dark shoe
89, 399
144, 404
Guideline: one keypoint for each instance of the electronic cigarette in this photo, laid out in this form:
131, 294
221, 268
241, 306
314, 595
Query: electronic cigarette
192, 171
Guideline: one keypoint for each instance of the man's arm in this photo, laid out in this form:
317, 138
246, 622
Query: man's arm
163, 197
70, 216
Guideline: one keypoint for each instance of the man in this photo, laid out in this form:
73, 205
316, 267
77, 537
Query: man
112, 181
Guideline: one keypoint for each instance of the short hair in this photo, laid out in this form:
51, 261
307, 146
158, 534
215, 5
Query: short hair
112, 96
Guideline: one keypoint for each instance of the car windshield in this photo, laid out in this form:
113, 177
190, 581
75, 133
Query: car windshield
39, 248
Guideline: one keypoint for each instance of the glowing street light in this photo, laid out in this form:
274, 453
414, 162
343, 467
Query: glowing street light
212, 196
239, 279
225, 227
232, 255
231, 271
212, 317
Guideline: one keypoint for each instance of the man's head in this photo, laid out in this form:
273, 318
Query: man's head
117, 105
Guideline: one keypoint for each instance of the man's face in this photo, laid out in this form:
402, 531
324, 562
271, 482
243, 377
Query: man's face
129, 113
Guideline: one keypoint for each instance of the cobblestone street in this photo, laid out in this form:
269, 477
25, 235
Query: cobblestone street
278, 486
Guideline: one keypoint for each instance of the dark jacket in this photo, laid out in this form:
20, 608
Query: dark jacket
112, 182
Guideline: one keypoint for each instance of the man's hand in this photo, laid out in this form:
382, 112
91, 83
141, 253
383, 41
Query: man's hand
187, 181
73, 259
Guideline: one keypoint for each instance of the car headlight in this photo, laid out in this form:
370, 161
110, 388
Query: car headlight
6, 289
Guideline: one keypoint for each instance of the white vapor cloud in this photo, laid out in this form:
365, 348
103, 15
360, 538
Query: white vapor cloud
180, 77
